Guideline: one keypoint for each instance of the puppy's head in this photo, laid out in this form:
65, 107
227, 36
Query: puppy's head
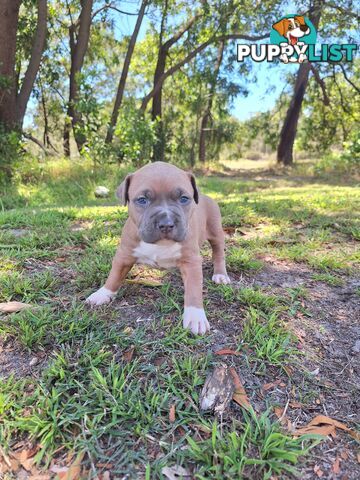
161, 199
292, 28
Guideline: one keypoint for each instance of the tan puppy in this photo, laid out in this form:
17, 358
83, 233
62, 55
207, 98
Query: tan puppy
168, 222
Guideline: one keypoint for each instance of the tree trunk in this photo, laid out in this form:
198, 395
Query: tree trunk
124, 74
79, 42
156, 113
9, 16
34, 63
289, 128
207, 113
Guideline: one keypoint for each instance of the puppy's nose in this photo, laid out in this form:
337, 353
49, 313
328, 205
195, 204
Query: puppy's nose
166, 225
303, 28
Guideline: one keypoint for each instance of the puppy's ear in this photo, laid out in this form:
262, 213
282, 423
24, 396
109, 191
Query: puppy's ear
300, 19
280, 27
122, 192
195, 188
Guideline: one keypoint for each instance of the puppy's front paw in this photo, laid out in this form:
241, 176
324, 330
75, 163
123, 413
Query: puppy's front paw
100, 297
195, 320
221, 278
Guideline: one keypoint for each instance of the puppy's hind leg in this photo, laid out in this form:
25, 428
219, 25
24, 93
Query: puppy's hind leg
216, 238
218, 248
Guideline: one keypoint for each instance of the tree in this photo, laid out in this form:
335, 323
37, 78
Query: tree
9, 16
79, 34
207, 113
332, 26
13, 103
124, 74
34, 63
163, 51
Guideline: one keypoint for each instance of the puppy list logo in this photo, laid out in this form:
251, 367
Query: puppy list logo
293, 40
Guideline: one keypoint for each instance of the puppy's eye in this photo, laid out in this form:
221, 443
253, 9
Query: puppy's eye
143, 201
184, 199
290, 27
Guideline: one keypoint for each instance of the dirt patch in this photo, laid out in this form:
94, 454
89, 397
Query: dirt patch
14, 360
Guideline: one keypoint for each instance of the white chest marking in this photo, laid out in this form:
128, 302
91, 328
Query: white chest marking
161, 255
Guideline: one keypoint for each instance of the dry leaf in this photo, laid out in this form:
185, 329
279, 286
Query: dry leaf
295, 405
73, 471
128, 355
279, 411
344, 454
172, 416
147, 282
12, 307
227, 351
24, 458
321, 424
336, 465
239, 395
176, 472
218, 390
229, 230
318, 471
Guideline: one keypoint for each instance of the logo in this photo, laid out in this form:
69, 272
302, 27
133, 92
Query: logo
293, 40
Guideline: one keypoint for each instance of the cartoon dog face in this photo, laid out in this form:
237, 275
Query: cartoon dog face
292, 29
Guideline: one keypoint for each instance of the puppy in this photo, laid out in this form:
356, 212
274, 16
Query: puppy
292, 29
168, 222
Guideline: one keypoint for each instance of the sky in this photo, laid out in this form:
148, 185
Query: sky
258, 100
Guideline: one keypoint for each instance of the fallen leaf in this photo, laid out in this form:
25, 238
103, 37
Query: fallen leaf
295, 405
24, 458
239, 395
176, 472
172, 416
318, 471
128, 355
229, 230
227, 351
39, 476
12, 307
73, 471
159, 361
324, 423
336, 465
147, 282
344, 454
279, 411
218, 390
268, 386
358, 457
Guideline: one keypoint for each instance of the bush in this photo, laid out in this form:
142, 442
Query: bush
347, 161
10, 151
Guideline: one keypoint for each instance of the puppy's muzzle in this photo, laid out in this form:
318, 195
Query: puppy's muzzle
166, 225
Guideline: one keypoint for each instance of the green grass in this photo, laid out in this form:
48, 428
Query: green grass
87, 397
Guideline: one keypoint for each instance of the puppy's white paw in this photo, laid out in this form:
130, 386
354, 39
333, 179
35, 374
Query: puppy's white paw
302, 58
221, 278
100, 297
195, 320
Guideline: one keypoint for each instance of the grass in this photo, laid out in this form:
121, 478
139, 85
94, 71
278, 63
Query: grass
89, 396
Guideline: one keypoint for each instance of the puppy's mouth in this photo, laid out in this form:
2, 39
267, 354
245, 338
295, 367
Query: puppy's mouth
293, 40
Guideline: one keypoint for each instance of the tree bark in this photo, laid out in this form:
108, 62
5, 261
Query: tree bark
289, 128
79, 35
9, 16
124, 74
156, 114
34, 63
207, 114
